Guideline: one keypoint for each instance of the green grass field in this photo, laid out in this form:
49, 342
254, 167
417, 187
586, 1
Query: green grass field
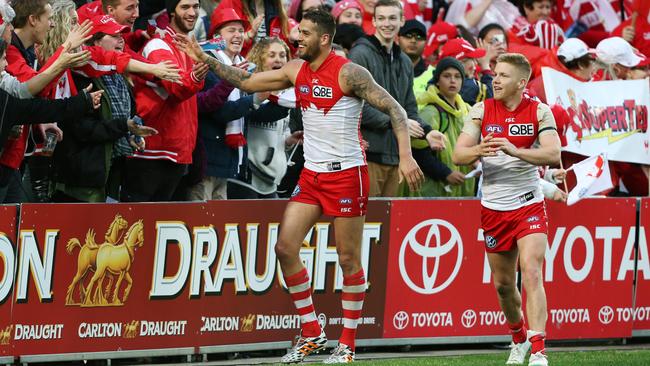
591, 358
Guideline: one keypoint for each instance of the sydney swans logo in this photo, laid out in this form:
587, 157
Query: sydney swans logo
110, 259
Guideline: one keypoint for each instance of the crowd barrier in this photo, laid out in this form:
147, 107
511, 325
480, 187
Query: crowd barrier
87, 281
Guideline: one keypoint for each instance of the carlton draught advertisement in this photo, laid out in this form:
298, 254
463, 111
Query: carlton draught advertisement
108, 277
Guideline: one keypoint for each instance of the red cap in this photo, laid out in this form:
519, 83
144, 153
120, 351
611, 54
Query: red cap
459, 49
106, 24
439, 33
223, 16
89, 11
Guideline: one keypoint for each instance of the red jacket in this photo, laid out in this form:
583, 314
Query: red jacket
169, 107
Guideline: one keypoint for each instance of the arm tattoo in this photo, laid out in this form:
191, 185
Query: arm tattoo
233, 75
364, 86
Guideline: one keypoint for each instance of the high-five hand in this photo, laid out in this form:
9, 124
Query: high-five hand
78, 35
191, 47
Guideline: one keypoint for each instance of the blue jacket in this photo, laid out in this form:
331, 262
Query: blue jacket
221, 161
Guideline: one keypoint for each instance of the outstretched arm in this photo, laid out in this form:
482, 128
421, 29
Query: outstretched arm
356, 80
241, 79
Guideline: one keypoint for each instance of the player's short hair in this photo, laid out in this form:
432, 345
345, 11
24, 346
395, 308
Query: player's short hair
325, 23
519, 61
395, 3
25, 8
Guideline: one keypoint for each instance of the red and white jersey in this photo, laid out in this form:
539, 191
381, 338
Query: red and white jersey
509, 182
543, 33
331, 119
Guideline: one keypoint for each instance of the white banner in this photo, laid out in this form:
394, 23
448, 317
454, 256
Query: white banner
606, 116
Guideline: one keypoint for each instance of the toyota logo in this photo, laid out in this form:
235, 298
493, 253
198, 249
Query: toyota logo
469, 318
606, 314
432, 248
400, 320
322, 320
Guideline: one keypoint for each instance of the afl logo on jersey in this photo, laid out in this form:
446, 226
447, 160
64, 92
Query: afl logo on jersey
521, 129
493, 129
322, 92
304, 89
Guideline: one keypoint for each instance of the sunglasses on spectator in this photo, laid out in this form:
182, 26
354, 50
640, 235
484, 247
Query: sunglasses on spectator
416, 36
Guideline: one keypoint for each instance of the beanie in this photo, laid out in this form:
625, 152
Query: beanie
443, 65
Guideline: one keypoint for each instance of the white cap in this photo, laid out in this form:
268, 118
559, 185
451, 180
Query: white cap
573, 49
7, 15
616, 50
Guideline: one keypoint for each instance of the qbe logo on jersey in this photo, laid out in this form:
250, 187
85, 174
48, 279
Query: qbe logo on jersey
430, 256
521, 129
321, 92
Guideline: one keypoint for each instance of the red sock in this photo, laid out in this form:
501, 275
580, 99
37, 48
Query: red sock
537, 341
354, 291
518, 331
300, 291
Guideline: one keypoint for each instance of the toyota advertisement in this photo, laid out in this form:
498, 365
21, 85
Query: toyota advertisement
437, 262
589, 268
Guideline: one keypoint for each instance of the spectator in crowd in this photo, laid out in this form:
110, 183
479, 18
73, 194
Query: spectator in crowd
536, 27
495, 40
393, 70
573, 58
260, 176
412, 37
169, 107
475, 14
92, 150
223, 132
348, 12
347, 35
473, 90
618, 58
444, 111
266, 18
125, 12
412, 43
17, 111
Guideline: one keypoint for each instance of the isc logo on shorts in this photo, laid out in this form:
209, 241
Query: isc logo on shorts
321, 92
521, 129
